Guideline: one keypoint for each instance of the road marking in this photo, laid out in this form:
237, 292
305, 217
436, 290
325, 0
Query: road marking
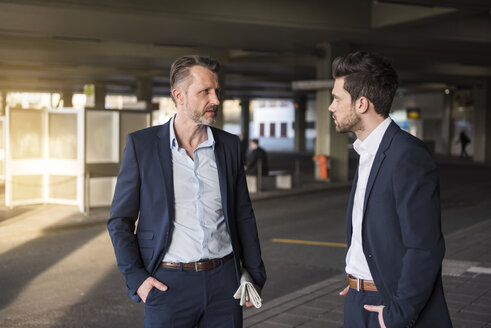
457, 268
308, 242
476, 269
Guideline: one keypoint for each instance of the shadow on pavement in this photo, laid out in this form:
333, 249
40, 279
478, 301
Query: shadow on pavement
25, 262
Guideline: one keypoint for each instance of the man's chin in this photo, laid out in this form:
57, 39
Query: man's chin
341, 130
209, 119
208, 122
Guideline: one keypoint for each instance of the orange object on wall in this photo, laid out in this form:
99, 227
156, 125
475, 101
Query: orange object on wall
323, 165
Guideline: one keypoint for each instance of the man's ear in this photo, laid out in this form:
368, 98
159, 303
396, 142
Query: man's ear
178, 96
362, 105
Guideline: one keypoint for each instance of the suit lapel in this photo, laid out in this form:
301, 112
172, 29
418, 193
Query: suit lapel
379, 159
165, 158
222, 176
349, 210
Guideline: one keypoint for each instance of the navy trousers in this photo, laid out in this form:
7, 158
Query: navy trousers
195, 299
355, 316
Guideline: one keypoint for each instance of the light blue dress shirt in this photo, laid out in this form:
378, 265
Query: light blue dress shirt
200, 231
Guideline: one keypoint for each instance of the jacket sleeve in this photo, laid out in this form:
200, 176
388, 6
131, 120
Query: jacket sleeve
247, 229
417, 201
121, 225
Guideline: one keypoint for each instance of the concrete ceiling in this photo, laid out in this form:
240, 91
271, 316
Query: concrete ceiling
264, 45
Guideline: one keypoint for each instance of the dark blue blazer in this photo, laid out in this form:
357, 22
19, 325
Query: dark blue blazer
401, 233
145, 192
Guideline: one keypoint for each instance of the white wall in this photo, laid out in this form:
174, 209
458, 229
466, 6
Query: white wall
272, 111
431, 111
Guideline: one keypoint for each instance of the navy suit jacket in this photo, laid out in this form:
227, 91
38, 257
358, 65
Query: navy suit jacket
401, 233
145, 192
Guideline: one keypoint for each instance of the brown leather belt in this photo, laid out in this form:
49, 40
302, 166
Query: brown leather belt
197, 266
360, 284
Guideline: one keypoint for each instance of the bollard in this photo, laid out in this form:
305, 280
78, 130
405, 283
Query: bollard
323, 166
297, 173
259, 181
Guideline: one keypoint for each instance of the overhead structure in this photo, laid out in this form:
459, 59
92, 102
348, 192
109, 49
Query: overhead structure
264, 45
268, 49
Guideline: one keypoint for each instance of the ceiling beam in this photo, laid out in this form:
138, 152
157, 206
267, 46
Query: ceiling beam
458, 4
384, 15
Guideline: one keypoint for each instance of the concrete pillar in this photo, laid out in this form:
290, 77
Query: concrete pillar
219, 121
100, 96
482, 121
3, 103
245, 118
300, 106
67, 95
144, 90
328, 141
447, 132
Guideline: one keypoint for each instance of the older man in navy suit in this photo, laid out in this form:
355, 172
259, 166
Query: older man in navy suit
185, 184
393, 219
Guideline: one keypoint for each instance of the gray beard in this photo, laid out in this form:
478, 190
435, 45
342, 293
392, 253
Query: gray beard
200, 120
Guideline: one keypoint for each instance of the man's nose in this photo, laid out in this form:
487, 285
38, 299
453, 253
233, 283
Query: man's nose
331, 107
214, 99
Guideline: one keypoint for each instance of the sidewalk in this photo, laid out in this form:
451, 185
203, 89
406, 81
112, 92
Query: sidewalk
466, 268
34, 220
466, 280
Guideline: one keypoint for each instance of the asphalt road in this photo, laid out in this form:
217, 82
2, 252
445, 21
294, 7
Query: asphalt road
69, 278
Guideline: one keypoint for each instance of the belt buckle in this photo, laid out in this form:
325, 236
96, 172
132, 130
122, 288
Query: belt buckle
357, 284
196, 266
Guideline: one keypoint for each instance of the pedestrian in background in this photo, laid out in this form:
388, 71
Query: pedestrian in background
255, 156
464, 140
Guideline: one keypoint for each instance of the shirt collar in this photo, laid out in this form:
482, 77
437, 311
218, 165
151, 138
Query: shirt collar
372, 142
173, 140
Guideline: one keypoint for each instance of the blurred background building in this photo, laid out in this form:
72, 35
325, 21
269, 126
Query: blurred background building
77, 76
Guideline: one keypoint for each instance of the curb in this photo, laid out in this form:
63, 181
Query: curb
297, 298
266, 195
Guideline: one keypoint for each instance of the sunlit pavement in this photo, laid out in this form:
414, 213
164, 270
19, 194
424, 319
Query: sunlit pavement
466, 279
57, 267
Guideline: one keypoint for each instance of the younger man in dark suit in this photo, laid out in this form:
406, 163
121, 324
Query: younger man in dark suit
393, 219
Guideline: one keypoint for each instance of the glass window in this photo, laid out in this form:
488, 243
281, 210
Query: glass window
283, 130
26, 134
261, 129
102, 137
62, 135
272, 130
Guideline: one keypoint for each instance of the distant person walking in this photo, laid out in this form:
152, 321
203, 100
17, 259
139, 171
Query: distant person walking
255, 155
464, 141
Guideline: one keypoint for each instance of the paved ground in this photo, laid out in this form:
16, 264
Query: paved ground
466, 279
467, 270
466, 267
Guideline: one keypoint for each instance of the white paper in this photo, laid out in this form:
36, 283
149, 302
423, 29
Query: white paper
247, 291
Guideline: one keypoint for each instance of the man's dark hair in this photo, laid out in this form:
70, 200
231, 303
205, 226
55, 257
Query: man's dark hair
367, 75
256, 141
179, 70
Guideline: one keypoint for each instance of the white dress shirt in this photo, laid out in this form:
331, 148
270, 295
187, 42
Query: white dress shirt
356, 263
200, 230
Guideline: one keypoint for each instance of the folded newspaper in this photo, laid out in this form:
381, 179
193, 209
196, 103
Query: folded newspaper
247, 291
